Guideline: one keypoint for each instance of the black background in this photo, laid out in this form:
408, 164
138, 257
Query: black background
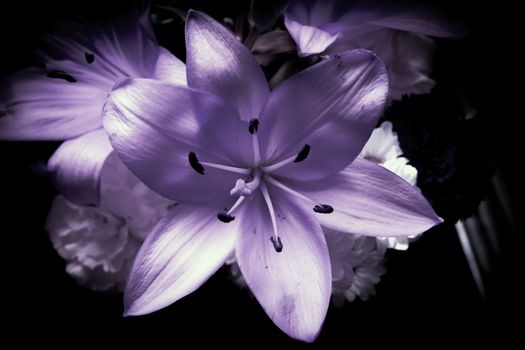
427, 295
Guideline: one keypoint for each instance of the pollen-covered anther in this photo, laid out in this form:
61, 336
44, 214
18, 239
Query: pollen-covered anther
58, 74
303, 154
195, 164
90, 58
323, 209
277, 244
226, 218
253, 126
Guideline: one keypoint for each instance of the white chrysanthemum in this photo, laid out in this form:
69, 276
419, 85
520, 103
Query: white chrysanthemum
100, 243
383, 148
356, 265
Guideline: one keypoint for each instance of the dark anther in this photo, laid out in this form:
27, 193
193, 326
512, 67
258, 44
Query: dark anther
90, 58
57, 74
253, 127
303, 154
194, 162
277, 244
323, 209
225, 217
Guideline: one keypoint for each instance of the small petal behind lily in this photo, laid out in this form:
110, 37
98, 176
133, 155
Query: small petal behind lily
398, 33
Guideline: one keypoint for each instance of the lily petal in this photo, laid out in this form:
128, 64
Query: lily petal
370, 200
316, 25
37, 107
218, 63
76, 166
184, 249
294, 285
332, 106
120, 48
170, 68
154, 126
418, 19
310, 40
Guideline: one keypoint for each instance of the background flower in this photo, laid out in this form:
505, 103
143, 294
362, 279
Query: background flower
62, 97
100, 243
398, 33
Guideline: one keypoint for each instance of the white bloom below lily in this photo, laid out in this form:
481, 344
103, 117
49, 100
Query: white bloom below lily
100, 243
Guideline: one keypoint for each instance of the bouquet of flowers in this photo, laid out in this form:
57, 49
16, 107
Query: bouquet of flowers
294, 142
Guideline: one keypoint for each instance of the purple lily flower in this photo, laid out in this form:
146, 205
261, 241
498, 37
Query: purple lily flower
396, 33
64, 100
257, 173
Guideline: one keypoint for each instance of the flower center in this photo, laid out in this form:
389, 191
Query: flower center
257, 178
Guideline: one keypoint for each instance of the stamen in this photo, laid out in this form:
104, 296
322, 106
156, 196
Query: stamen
236, 205
194, 162
253, 127
227, 168
199, 166
287, 189
90, 58
256, 150
225, 217
318, 208
293, 159
323, 209
277, 244
276, 240
303, 154
57, 74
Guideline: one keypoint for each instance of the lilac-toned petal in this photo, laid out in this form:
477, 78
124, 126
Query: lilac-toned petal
155, 125
125, 46
77, 164
218, 63
184, 249
314, 12
419, 20
315, 25
294, 285
38, 107
170, 68
309, 39
369, 200
120, 48
407, 56
333, 107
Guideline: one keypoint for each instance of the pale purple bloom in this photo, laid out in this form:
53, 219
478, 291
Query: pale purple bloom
397, 33
257, 173
64, 100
